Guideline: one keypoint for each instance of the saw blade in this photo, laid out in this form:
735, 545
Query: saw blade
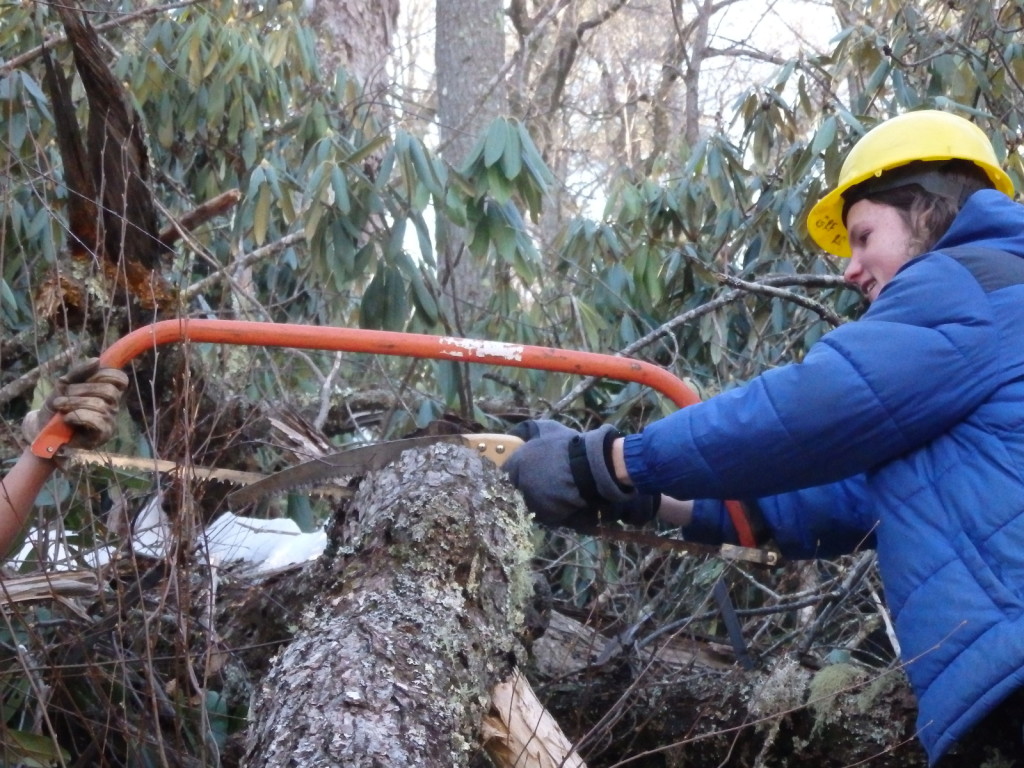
367, 458
138, 466
311, 475
78, 457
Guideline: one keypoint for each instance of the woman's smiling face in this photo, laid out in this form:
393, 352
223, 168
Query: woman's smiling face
880, 243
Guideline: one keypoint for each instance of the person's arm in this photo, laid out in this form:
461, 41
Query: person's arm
18, 491
619, 462
821, 521
678, 512
867, 392
87, 397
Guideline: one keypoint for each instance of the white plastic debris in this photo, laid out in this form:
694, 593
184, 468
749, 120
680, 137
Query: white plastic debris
264, 544
151, 531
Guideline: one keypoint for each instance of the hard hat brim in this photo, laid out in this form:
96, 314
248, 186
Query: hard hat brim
951, 138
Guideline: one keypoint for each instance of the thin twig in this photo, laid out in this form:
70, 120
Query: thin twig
25, 382
241, 262
825, 281
11, 64
857, 572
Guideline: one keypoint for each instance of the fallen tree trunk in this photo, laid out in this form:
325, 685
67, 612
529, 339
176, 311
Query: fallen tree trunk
687, 702
424, 591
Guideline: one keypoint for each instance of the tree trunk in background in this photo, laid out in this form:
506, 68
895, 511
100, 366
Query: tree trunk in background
469, 53
356, 35
422, 597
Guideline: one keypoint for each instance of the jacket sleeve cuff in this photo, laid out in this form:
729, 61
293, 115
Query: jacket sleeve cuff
710, 523
636, 465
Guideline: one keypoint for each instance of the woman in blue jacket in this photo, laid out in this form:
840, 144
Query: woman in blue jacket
903, 430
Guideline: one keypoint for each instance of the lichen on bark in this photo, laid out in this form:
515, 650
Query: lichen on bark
422, 598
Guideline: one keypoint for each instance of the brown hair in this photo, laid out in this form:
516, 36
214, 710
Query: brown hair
928, 207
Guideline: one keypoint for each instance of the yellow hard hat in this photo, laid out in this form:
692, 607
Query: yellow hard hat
927, 135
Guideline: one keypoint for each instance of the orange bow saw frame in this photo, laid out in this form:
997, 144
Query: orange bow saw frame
244, 333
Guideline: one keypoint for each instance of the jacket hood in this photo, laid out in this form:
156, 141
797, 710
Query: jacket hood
988, 219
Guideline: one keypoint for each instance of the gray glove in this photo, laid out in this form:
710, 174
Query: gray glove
566, 477
88, 397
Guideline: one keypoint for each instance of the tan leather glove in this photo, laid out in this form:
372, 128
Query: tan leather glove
88, 397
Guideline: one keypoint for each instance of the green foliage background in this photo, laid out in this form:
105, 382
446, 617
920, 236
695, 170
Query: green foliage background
232, 97
335, 223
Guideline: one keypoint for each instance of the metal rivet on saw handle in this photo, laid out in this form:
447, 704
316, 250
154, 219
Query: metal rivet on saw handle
482, 448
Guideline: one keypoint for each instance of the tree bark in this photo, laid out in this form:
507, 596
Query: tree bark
469, 53
688, 703
355, 35
424, 592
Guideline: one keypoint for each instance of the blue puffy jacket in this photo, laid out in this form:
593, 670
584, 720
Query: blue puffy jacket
904, 431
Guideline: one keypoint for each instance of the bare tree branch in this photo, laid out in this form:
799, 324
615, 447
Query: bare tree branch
769, 286
18, 61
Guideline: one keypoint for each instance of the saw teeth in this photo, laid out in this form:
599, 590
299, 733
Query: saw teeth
83, 458
323, 491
